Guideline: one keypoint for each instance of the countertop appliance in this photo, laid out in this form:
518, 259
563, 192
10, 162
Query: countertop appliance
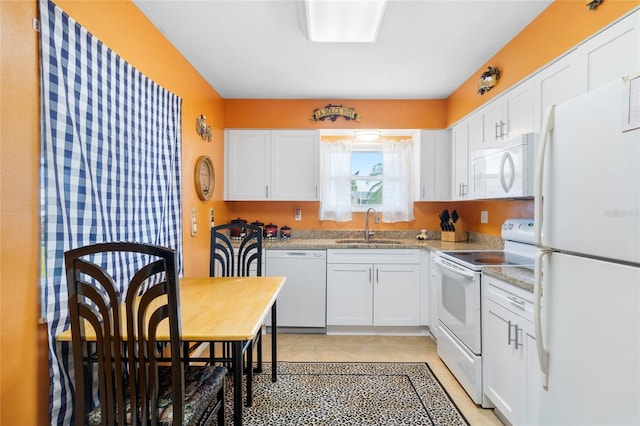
587, 275
302, 300
458, 276
504, 170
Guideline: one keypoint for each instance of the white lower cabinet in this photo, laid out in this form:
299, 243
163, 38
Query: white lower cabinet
369, 287
511, 376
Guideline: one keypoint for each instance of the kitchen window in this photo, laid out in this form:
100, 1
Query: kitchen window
355, 176
366, 176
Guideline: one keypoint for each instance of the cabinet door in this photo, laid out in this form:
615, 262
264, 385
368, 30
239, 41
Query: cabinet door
396, 295
494, 126
248, 165
559, 82
530, 376
476, 131
518, 110
460, 152
500, 358
434, 168
349, 294
295, 156
613, 53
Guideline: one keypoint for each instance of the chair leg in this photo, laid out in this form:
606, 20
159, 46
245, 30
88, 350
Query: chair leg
221, 399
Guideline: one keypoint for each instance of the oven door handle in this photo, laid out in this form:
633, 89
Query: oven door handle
454, 268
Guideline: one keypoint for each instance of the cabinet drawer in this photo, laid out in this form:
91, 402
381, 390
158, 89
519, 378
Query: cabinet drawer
514, 298
378, 256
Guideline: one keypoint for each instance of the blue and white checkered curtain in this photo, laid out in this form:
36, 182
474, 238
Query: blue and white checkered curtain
110, 168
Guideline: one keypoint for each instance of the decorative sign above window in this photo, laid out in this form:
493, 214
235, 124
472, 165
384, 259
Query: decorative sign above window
332, 112
488, 79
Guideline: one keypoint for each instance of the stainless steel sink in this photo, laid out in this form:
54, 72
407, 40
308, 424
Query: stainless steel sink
372, 241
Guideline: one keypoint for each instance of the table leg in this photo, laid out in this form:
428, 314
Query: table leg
274, 345
250, 374
237, 366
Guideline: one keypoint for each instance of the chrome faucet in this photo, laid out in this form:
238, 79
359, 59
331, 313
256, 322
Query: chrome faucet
368, 233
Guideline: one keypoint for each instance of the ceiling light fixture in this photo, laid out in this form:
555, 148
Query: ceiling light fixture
367, 135
345, 21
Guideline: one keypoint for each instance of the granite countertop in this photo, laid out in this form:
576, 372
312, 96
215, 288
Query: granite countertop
517, 275
335, 239
322, 240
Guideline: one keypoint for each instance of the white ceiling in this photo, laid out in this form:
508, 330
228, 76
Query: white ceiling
257, 49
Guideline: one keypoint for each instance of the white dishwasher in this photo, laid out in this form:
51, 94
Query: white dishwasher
301, 305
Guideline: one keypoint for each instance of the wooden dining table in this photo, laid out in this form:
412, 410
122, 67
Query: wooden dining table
225, 309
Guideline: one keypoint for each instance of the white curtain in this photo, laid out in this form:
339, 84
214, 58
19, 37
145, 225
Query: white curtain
398, 183
335, 181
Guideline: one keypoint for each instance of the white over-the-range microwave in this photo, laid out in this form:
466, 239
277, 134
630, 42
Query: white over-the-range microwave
504, 170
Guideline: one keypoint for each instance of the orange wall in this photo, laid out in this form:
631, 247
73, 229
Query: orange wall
20, 377
296, 114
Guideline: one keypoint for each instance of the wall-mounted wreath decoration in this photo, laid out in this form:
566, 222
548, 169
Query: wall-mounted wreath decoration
593, 4
488, 79
332, 112
203, 129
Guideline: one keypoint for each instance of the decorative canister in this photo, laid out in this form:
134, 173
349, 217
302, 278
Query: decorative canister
259, 225
239, 231
271, 231
285, 232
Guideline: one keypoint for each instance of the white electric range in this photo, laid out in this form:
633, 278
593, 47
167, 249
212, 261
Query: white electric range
458, 279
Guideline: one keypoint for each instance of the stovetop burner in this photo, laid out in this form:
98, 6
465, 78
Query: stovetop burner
481, 258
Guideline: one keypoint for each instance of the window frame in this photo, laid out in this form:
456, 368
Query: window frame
359, 146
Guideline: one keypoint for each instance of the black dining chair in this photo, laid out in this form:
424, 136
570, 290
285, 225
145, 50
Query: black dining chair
140, 381
236, 251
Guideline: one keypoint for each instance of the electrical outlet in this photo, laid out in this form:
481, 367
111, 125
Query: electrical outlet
298, 214
484, 216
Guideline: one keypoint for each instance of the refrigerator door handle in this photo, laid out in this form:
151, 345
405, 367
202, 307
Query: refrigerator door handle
543, 352
547, 128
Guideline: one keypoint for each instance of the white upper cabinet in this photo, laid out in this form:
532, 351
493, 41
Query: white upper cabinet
612, 53
460, 161
295, 159
558, 82
279, 165
434, 167
510, 115
247, 164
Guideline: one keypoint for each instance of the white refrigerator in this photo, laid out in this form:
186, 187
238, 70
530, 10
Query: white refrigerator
587, 290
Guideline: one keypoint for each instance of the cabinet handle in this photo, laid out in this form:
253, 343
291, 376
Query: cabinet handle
496, 134
370, 277
266, 191
503, 131
516, 301
509, 339
377, 275
518, 343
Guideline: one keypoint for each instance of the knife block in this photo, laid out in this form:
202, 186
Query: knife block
460, 234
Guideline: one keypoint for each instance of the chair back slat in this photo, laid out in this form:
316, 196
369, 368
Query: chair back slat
235, 258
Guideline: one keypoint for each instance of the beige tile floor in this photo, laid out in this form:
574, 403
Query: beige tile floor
320, 347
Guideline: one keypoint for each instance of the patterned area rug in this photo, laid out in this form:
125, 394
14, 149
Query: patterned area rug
348, 394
